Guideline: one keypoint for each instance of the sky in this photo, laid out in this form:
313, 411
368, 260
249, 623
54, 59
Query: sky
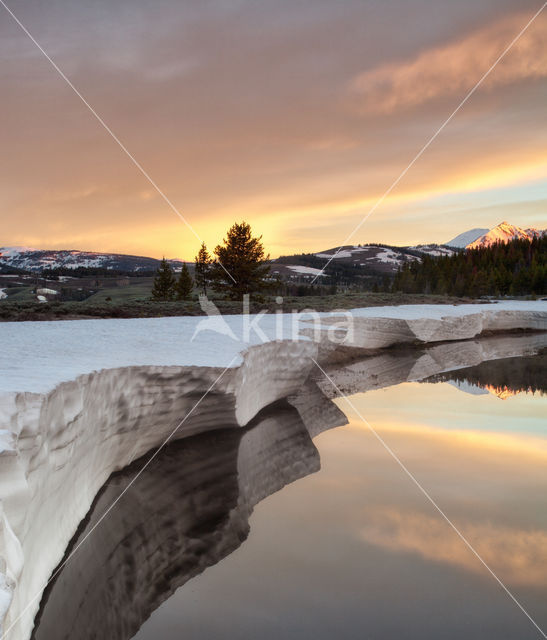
295, 116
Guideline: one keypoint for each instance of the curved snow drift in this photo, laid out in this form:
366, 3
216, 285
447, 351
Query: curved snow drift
60, 447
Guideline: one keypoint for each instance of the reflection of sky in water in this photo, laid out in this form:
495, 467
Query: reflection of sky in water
355, 551
446, 407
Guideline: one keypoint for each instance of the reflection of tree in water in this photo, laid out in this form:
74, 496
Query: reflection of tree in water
511, 374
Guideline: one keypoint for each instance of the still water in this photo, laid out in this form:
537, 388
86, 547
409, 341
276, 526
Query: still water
266, 533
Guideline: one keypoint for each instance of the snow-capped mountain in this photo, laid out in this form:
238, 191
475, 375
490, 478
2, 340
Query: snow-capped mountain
466, 238
504, 232
39, 259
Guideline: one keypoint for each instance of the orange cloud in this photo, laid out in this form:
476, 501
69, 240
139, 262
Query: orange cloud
456, 67
285, 155
518, 556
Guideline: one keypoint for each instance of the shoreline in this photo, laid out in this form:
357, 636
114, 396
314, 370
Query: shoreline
53, 310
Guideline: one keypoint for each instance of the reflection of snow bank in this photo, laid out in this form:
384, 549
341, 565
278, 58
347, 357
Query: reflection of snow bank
395, 366
208, 484
70, 440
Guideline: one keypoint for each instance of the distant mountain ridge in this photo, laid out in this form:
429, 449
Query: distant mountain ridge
367, 259
349, 261
373, 258
377, 260
503, 232
39, 259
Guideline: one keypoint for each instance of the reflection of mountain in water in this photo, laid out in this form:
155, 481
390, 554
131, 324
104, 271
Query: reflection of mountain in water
488, 389
502, 392
503, 378
188, 510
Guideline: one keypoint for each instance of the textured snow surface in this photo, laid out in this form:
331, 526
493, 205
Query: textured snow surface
416, 311
399, 325
36, 356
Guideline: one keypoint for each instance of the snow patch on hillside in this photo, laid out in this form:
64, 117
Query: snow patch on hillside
341, 254
434, 250
47, 292
386, 255
305, 270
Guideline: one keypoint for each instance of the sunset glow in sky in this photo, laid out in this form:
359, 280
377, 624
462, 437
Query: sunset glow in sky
293, 115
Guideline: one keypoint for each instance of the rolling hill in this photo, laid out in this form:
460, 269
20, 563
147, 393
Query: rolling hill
36, 260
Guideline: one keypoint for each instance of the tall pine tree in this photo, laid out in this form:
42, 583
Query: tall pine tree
164, 282
184, 284
241, 266
204, 265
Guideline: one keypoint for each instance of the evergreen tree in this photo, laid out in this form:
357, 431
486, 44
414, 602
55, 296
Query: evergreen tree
518, 267
164, 282
184, 284
204, 265
241, 266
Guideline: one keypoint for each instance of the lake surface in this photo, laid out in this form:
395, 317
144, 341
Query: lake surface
265, 533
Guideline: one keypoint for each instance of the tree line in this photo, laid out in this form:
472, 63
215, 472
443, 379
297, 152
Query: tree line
518, 267
239, 266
